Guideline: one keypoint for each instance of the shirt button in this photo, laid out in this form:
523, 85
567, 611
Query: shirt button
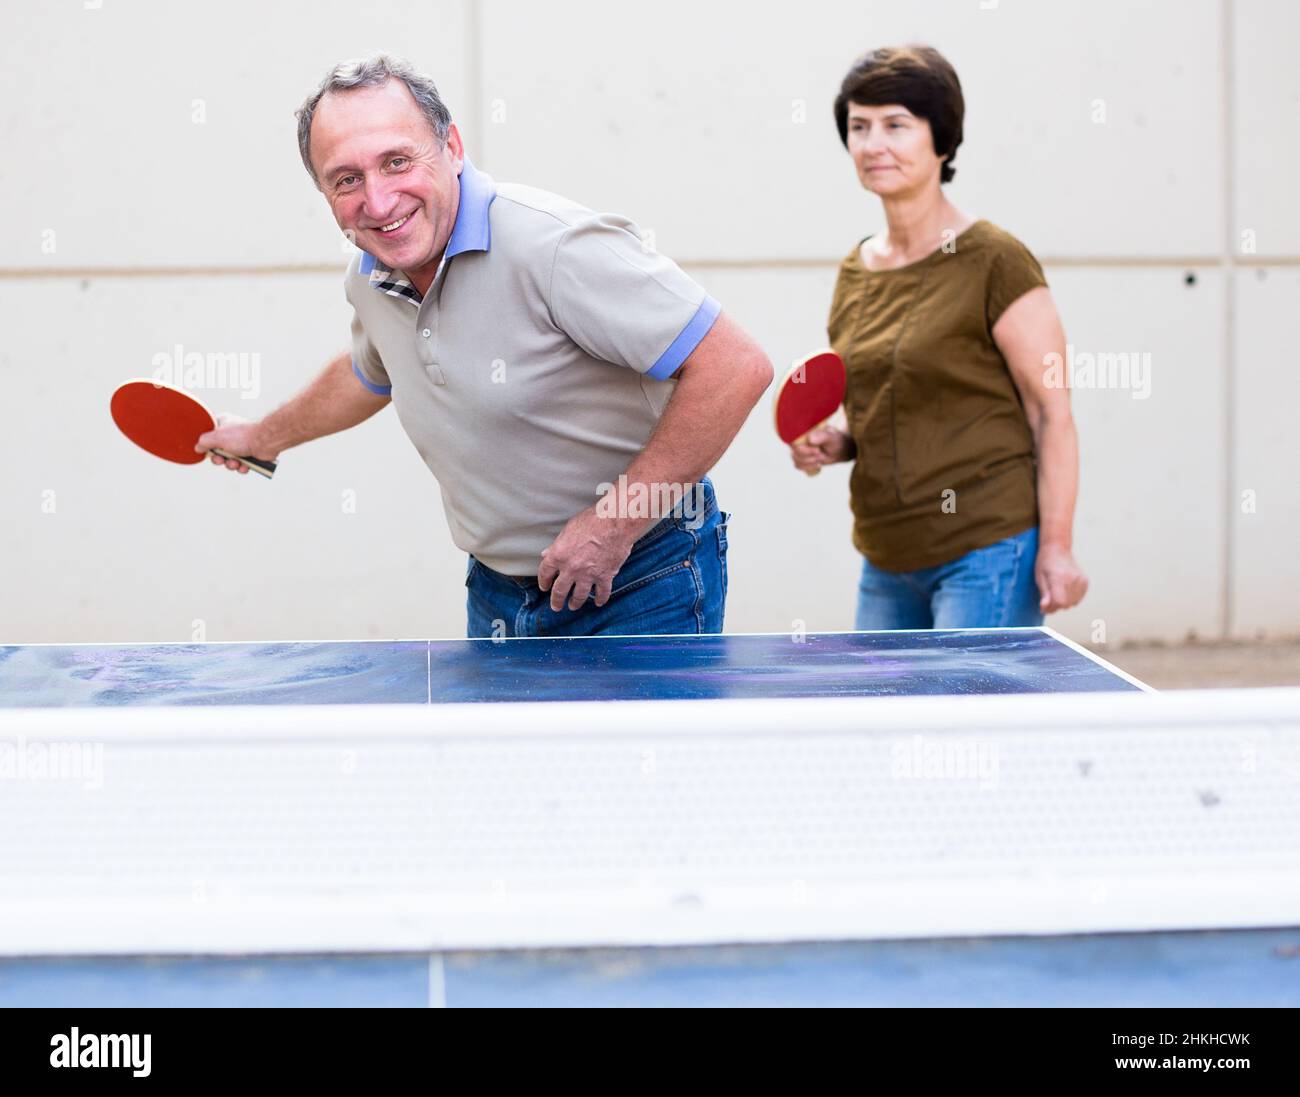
426, 333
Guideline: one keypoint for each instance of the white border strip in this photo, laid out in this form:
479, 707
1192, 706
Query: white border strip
886, 910
372, 725
1098, 659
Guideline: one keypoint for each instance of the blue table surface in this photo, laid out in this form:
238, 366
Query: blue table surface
1202, 968
584, 669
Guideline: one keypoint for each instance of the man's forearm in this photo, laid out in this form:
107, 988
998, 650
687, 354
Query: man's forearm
699, 423
334, 401
1058, 481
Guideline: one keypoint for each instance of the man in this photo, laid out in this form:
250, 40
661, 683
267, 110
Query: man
568, 387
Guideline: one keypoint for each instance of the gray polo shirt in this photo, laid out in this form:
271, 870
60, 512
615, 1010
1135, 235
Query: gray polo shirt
537, 365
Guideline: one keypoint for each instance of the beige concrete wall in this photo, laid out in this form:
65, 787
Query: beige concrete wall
155, 199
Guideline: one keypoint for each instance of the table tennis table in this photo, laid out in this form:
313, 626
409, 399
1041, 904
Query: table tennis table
979, 817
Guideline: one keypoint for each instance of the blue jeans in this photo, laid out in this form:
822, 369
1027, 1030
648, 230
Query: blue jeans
674, 581
992, 587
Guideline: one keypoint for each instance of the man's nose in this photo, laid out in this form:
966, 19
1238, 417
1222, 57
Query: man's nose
380, 200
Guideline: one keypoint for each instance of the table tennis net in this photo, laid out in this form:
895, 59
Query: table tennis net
530, 824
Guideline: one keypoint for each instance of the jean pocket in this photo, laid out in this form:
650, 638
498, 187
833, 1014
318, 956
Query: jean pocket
644, 580
470, 569
675, 546
667, 601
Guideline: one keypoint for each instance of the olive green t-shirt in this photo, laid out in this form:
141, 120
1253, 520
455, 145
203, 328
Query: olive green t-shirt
945, 460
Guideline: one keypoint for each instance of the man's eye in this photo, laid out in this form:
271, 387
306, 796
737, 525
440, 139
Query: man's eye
347, 180
397, 161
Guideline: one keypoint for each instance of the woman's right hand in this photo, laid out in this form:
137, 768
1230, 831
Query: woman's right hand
822, 446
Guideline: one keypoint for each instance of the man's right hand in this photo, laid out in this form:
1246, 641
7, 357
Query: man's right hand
236, 435
822, 446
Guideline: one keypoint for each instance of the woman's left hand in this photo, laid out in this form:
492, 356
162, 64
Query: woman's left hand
1061, 582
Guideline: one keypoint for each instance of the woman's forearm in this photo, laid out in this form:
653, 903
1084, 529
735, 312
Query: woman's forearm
1057, 445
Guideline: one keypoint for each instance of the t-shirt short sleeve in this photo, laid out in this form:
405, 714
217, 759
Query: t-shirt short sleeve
623, 302
366, 363
1013, 272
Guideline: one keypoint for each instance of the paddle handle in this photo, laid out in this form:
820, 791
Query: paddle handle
810, 472
262, 468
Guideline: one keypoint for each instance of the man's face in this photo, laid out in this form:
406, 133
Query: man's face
892, 149
386, 178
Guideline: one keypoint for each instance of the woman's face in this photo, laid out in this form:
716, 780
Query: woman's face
892, 150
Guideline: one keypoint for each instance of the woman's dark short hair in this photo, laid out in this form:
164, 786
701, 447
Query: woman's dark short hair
919, 78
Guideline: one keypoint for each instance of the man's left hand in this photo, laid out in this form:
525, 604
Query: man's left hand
585, 556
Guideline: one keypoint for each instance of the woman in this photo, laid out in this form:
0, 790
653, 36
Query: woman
965, 458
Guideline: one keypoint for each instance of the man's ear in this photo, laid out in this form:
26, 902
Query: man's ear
456, 146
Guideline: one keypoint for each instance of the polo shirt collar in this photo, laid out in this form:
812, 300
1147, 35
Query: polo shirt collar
471, 232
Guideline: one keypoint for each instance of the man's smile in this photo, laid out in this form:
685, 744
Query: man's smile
394, 226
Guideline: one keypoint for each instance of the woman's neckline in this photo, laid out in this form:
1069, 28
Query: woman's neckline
862, 265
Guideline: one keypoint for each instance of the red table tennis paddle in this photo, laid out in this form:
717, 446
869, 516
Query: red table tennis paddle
167, 422
809, 395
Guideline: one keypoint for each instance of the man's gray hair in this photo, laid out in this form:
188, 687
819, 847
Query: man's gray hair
372, 72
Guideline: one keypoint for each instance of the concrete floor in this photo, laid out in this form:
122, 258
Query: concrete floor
1210, 665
